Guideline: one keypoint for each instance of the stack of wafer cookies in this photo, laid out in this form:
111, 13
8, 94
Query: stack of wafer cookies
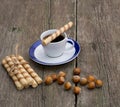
21, 72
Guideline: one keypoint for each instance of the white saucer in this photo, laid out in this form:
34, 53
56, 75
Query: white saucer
37, 54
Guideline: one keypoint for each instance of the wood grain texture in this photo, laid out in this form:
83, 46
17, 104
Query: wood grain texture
96, 28
21, 22
61, 12
98, 33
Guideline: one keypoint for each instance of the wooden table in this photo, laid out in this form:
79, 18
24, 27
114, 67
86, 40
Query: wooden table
97, 30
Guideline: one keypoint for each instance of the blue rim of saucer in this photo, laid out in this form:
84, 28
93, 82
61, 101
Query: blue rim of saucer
38, 42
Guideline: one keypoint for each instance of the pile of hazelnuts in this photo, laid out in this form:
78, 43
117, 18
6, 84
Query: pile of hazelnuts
90, 81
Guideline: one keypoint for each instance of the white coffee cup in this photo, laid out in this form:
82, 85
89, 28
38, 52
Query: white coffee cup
56, 49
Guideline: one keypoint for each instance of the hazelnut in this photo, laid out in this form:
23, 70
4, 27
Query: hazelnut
60, 80
98, 83
54, 77
91, 85
62, 74
83, 81
76, 78
67, 85
48, 80
90, 78
76, 90
76, 71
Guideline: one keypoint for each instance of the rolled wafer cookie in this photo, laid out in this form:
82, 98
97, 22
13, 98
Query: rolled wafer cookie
23, 64
34, 75
57, 33
17, 68
17, 72
26, 75
29, 69
18, 85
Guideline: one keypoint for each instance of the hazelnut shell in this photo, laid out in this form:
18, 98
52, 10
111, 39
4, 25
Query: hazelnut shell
62, 74
67, 85
83, 81
91, 78
48, 80
60, 80
76, 71
76, 78
91, 85
98, 83
76, 90
54, 77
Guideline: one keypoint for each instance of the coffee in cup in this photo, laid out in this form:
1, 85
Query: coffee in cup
57, 46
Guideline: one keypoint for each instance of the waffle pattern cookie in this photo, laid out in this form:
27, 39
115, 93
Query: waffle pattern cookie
21, 72
57, 33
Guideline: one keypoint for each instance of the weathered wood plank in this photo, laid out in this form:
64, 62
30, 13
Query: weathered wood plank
21, 22
98, 31
61, 12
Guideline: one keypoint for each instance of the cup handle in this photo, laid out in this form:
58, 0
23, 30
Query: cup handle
70, 47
